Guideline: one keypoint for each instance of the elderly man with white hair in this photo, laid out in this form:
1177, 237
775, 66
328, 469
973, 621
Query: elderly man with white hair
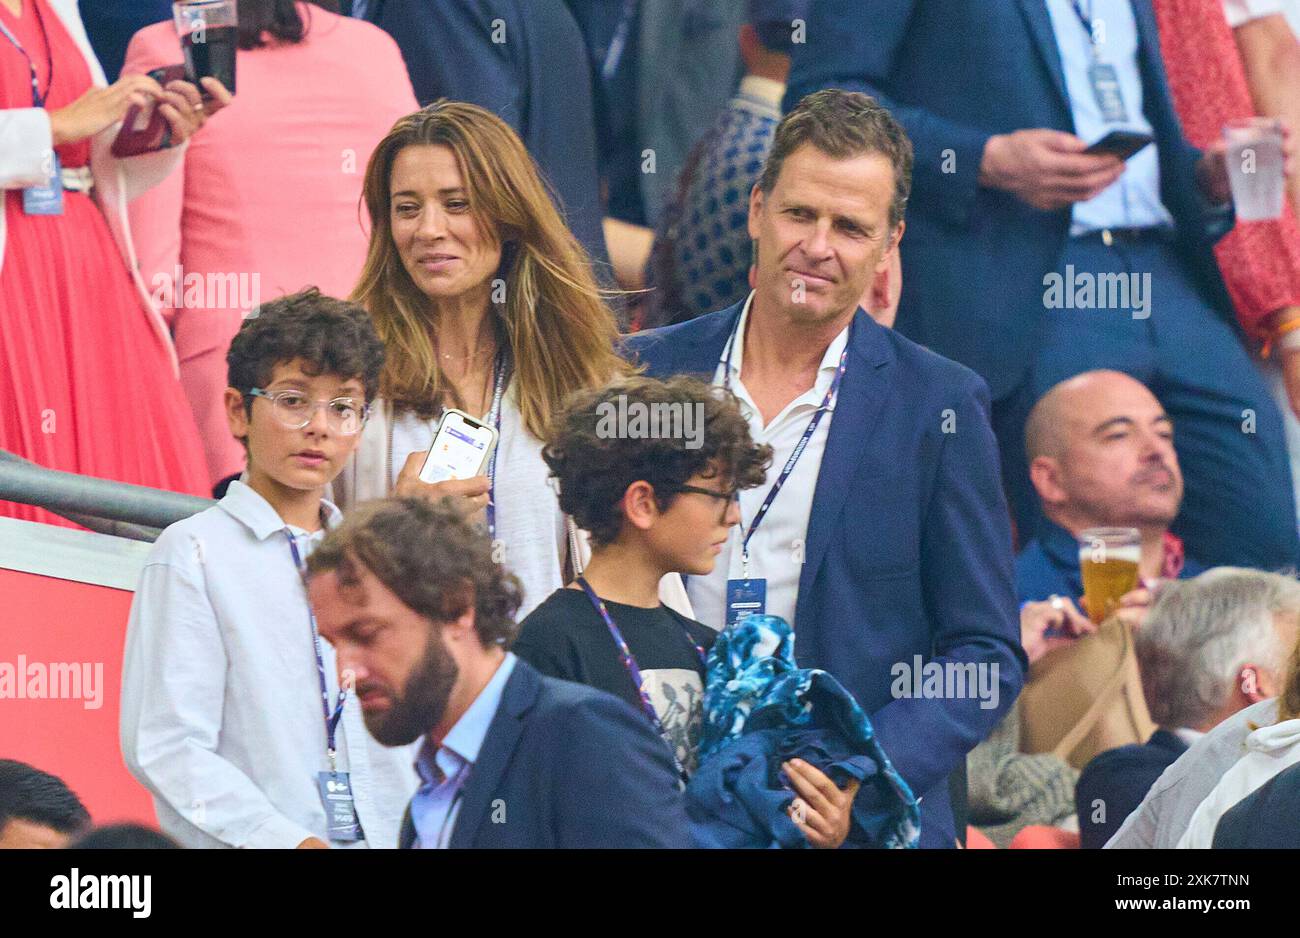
1211, 647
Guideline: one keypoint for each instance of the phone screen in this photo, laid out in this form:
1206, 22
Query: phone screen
459, 449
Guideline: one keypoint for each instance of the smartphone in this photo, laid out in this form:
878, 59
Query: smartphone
143, 128
1121, 143
461, 448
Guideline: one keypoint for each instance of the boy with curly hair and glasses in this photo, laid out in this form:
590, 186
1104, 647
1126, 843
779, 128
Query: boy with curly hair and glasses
232, 713
652, 471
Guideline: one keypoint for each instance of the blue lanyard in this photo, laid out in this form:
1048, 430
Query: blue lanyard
1086, 20
634, 672
799, 447
331, 721
494, 417
38, 100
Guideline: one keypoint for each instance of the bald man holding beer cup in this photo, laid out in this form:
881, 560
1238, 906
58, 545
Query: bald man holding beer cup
1101, 457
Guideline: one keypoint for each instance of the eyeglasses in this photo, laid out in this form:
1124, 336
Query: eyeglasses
294, 410
731, 498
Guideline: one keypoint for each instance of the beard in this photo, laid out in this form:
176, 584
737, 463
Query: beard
422, 702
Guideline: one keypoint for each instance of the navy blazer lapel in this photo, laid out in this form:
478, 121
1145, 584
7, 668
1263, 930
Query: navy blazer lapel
1040, 25
689, 348
494, 757
701, 356
862, 394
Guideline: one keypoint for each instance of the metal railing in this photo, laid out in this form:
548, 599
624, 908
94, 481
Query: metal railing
134, 511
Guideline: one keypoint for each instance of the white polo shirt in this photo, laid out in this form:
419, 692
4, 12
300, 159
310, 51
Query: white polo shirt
777, 549
221, 705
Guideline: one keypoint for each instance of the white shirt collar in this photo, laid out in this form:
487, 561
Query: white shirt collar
254, 512
463, 741
1189, 736
830, 360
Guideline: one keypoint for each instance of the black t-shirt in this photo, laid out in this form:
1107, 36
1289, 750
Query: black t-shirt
565, 637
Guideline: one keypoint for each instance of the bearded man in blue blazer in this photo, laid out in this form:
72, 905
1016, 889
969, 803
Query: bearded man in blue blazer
887, 543
422, 617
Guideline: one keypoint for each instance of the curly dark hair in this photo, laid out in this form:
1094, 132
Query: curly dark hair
594, 462
433, 558
331, 336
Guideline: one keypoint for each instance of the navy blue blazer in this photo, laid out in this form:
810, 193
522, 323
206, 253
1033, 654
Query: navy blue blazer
954, 73
1264, 819
908, 549
525, 61
564, 765
1114, 783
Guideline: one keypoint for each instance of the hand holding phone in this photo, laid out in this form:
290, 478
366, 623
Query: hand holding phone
461, 448
144, 129
471, 494
1121, 143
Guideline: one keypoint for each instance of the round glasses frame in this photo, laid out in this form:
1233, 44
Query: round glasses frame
336, 421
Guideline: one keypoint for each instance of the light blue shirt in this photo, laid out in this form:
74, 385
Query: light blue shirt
1133, 201
436, 804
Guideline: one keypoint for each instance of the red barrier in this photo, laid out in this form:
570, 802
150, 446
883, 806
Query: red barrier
47, 625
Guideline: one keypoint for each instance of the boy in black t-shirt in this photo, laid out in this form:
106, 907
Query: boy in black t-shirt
651, 469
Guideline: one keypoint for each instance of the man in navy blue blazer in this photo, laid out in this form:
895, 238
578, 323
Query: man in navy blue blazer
887, 543
421, 617
1031, 261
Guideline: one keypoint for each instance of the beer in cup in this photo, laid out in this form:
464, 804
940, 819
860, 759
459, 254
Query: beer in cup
1108, 560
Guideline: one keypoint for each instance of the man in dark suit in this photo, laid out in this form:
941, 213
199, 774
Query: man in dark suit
889, 547
1210, 647
525, 61
421, 617
1015, 233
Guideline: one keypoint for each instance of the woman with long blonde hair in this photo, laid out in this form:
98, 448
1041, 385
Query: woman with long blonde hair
485, 302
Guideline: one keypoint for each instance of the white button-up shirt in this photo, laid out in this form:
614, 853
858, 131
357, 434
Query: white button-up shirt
221, 706
777, 549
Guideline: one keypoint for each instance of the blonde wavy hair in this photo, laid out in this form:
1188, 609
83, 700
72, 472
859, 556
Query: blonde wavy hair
554, 320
